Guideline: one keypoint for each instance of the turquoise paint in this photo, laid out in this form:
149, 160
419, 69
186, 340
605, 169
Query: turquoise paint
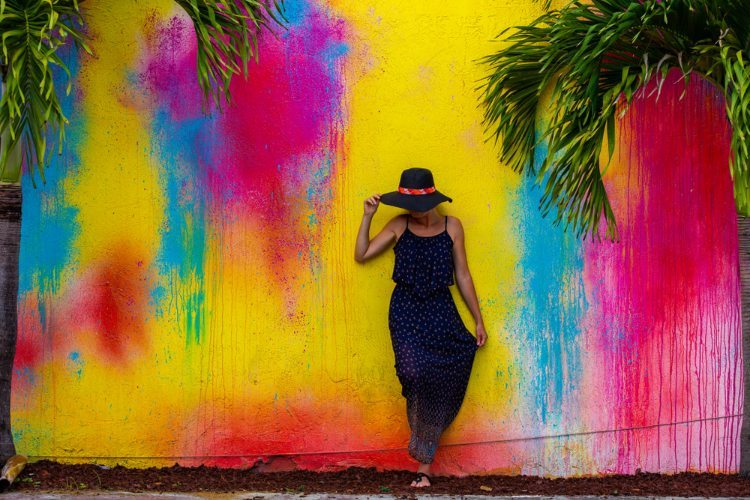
550, 265
49, 224
295, 12
333, 52
184, 147
76, 363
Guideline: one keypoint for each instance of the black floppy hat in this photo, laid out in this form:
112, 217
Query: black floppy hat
416, 191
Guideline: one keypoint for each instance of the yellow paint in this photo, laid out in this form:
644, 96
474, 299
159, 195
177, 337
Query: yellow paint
410, 77
412, 103
116, 189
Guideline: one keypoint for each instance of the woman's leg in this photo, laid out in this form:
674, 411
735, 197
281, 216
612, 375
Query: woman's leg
425, 432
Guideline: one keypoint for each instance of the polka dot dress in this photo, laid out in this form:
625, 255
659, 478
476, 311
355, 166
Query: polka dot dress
434, 350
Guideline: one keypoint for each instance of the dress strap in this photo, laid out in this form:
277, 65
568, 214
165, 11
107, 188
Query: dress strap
446, 222
407, 221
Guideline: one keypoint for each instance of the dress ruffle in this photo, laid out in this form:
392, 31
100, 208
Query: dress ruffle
425, 270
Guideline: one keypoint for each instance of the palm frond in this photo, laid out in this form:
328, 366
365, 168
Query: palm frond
513, 89
736, 86
599, 54
32, 32
227, 34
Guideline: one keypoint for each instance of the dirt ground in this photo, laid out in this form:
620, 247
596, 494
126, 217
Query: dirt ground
46, 475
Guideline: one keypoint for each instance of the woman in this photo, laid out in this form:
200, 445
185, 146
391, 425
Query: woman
433, 349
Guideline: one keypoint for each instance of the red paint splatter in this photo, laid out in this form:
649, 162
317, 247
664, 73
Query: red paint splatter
111, 300
29, 343
278, 115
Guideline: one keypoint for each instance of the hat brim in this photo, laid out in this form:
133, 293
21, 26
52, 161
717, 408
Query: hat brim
414, 202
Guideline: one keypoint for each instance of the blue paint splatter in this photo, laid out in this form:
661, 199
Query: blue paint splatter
295, 12
184, 146
24, 375
75, 363
332, 53
49, 225
553, 299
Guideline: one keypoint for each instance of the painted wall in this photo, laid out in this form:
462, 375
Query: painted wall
189, 294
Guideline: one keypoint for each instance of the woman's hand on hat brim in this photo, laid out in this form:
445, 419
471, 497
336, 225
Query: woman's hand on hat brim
371, 204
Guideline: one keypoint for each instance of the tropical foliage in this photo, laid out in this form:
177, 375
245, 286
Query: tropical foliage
596, 55
34, 30
32, 33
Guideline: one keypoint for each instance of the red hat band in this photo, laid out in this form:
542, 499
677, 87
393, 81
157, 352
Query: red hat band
404, 190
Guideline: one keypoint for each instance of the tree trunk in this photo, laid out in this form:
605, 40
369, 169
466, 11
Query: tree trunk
743, 224
10, 243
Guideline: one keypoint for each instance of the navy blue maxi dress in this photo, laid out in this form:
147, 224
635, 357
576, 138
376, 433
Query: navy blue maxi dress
434, 350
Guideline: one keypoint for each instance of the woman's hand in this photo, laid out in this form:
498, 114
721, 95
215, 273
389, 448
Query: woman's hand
371, 204
481, 335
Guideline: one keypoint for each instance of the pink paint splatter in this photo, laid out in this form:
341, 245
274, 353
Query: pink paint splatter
266, 162
668, 319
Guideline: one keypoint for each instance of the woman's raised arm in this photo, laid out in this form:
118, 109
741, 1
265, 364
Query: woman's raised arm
365, 248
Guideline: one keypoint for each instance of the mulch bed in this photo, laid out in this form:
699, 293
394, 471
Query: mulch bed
45, 475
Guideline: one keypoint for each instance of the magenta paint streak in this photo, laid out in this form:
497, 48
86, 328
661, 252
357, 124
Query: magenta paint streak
269, 159
169, 70
667, 321
281, 123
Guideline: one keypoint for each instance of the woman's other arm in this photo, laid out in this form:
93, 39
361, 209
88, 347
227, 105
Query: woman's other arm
464, 281
365, 248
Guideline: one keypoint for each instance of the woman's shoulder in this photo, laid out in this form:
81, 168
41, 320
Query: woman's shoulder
454, 221
397, 225
396, 220
454, 227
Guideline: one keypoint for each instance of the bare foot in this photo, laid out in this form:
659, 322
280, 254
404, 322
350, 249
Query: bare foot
422, 480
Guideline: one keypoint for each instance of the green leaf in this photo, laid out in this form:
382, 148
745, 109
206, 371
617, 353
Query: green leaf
611, 135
